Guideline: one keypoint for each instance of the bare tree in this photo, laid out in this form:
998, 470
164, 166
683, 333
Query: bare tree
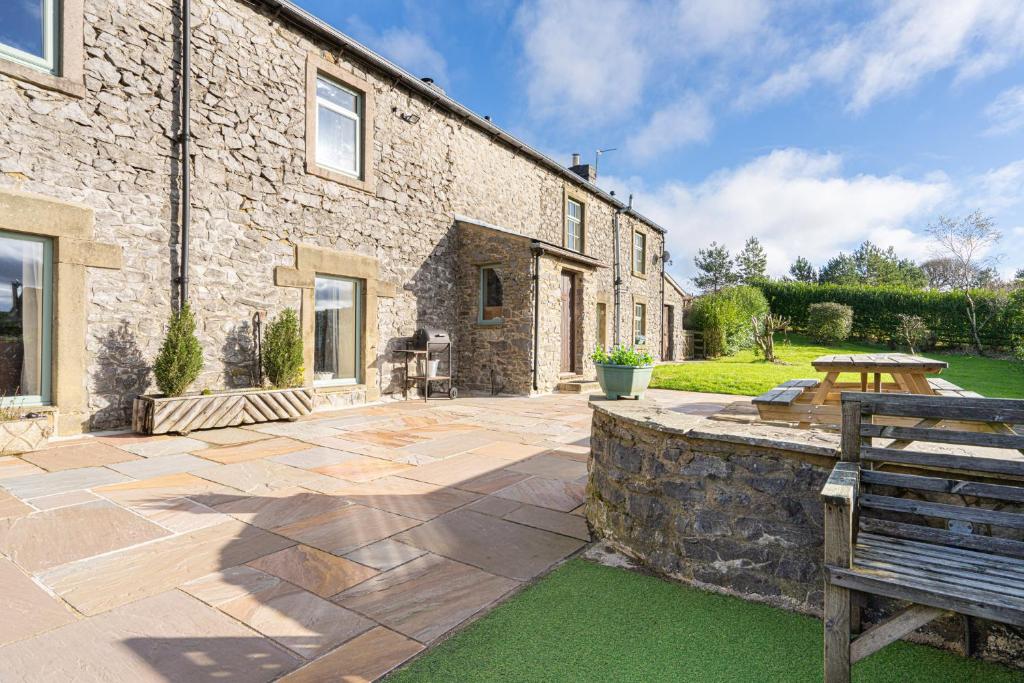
764, 327
967, 245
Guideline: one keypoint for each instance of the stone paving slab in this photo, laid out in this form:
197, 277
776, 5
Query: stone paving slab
280, 541
167, 637
426, 597
88, 453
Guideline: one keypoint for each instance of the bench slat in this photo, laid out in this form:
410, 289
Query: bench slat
955, 578
944, 551
960, 599
950, 461
988, 567
804, 383
938, 484
1006, 410
950, 539
985, 439
1010, 520
779, 396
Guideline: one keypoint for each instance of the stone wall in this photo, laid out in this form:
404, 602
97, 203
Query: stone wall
115, 151
734, 508
495, 357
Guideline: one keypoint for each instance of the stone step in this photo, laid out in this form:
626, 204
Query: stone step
577, 386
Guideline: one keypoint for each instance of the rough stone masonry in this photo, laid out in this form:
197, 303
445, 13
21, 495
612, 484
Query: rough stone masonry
115, 151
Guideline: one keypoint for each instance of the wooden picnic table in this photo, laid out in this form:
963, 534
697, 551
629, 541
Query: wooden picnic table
812, 401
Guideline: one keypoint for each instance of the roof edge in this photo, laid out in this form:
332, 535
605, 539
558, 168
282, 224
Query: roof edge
316, 25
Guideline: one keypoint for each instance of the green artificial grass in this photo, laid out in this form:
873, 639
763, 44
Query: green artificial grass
748, 375
587, 622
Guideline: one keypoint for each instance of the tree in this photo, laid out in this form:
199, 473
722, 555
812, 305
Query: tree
872, 265
181, 356
968, 244
715, 267
752, 262
803, 271
942, 273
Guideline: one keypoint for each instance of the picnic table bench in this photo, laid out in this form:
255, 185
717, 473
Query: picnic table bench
935, 547
812, 401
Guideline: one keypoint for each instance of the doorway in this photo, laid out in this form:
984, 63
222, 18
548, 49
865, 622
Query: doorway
568, 321
668, 345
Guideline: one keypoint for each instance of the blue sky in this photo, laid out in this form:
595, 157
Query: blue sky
813, 125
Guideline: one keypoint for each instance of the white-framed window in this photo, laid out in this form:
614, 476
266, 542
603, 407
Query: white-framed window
491, 296
639, 323
574, 225
26, 316
339, 112
337, 331
639, 253
29, 32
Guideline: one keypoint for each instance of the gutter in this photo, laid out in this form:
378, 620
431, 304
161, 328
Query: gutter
312, 24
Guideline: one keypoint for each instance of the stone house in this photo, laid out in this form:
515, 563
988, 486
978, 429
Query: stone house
677, 340
320, 177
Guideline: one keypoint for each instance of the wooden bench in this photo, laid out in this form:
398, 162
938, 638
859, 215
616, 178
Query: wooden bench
946, 388
929, 548
785, 393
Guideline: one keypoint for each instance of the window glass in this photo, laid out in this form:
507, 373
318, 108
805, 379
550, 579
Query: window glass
574, 225
490, 295
27, 31
639, 323
337, 330
25, 304
337, 127
639, 252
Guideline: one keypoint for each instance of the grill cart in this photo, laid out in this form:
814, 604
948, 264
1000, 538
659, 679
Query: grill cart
422, 358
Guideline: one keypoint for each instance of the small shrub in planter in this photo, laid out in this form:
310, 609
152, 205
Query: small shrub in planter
625, 371
181, 357
829, 321
282, 350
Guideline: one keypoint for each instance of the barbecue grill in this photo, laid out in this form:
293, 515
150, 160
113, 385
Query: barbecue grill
426, 344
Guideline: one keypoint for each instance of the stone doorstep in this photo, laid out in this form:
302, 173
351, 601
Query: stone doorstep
577, 385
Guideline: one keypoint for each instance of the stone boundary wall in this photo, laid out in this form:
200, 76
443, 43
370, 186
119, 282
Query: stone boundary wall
733, 508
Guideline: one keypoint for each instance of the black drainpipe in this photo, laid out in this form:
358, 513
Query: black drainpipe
617, 257
536, 315
186, 201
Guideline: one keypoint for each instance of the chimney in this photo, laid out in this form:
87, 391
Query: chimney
585, 171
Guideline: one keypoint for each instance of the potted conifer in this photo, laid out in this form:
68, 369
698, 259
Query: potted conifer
180, 361
625, 371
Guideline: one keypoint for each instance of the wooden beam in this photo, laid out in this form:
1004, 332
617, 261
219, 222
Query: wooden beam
900, 624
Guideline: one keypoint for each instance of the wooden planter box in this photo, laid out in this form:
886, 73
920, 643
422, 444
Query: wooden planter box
21, 436
183, 414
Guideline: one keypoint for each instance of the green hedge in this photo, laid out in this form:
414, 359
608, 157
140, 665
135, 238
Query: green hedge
724, 318
875, 310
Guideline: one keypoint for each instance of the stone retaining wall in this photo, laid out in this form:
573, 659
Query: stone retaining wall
735, 508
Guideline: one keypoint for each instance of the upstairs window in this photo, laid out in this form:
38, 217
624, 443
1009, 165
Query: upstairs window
338, 127
491, 297
574, 225
29, 31
639, 253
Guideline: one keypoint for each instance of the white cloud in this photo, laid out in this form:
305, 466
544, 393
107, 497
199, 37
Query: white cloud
413, 52
1006, 112
907, 42
712, 25
684, 121
998, 189
798, 203
584, 61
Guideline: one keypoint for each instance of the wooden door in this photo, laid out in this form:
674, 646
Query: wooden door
568, 321
667, 338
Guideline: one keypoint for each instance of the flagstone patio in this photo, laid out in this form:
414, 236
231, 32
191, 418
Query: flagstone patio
332, 548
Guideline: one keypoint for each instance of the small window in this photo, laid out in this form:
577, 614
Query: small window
640, 323
26, 296
490, 295
29, 31
337, 333
639, 253
338, 127
574, 225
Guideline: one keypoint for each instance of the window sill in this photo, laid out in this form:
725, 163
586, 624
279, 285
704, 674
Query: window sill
42, 79
642, 276
367, 184
489, 323
338, 388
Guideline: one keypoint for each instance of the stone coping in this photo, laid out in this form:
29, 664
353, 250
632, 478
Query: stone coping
651, 415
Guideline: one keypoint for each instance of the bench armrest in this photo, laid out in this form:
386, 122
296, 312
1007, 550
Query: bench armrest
842, 485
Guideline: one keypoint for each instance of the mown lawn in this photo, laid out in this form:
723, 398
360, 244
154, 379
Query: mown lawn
745, 374
587, 622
